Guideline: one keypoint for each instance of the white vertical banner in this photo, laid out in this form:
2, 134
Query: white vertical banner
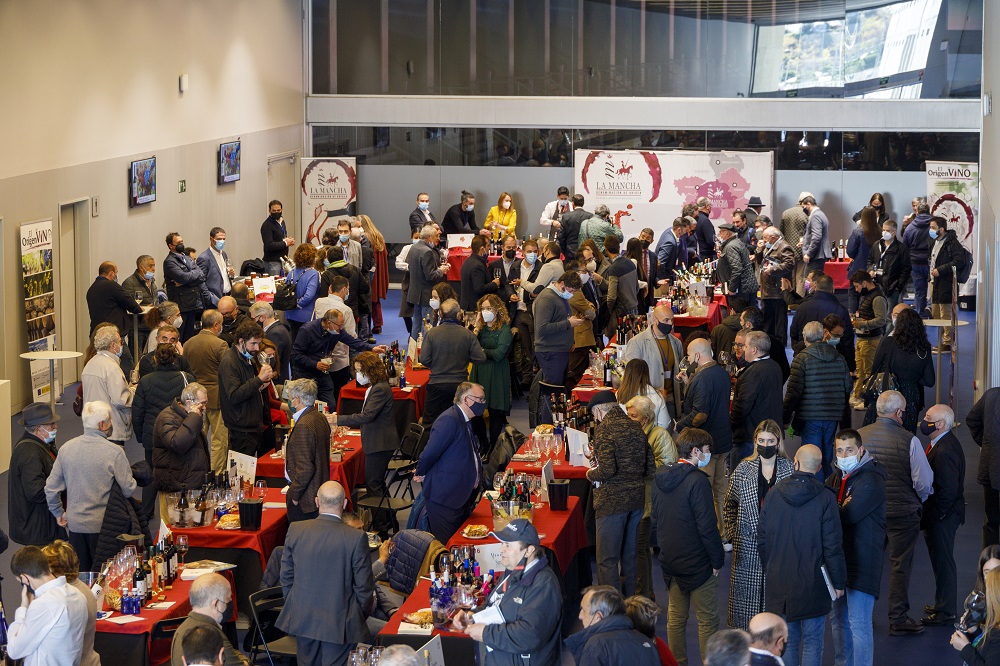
329, 189
953, 193
649, 188
39, 300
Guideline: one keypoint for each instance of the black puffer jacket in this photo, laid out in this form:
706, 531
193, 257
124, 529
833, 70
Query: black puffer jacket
239, 393
180, 450
818, 385
624, 460
724, 334
155, 391
984, 423
862, 518
612, 640
757, 397
798, 532
950, 257
121, 516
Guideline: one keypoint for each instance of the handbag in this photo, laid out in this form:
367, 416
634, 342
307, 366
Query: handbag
878, 383
284, 294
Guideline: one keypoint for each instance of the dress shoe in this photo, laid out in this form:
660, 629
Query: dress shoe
377, 330
936, 619
906, 627
930, 608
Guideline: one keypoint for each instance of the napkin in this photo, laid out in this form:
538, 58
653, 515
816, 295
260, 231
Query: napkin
409, 628
125, 619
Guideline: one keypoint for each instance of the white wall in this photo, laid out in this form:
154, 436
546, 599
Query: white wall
988, 295
91, 86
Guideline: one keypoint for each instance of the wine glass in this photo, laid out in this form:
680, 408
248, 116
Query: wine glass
181, 541
558, 445
260, 489
138, 297
366, 519
498, 480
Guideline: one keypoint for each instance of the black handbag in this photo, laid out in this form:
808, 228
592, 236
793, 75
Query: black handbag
284, 295
878, 383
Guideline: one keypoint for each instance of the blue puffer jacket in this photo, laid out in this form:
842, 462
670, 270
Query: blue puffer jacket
612, 640
406, 558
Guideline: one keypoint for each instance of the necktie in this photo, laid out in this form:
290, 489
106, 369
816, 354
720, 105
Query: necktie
475, 453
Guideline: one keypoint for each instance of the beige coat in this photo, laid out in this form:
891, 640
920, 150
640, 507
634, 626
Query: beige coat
203, 352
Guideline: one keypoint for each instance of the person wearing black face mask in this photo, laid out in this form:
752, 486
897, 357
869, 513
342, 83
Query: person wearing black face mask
450, 468
274, 236
944, 510
509, 270
185, 284
232, 316
211, 603
662, 352
752, 479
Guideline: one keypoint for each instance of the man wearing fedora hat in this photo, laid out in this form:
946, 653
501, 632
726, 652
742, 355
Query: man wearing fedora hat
753, 209
31, 523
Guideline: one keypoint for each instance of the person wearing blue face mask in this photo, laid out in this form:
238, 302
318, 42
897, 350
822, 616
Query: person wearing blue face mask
691, 553
103, 380
214, 263
554, 327
31, 462
774, 259
143, 281
350, 247
422, 214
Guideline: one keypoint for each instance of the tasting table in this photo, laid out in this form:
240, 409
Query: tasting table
457, 647
131, 644
249, 551
409, 401
348, 472
684, 324
838, 271
457, 257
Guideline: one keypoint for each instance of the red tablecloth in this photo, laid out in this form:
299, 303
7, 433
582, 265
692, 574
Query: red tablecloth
583, 394
838, 271
563, 471
457, 257
419, 599
564, 531
349, 472
415, 378
713, 319
274, 525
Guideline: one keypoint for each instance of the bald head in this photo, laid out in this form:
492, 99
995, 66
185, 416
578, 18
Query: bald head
331, 498
899, 308
227, 306
107, 268
701, 346
208, 593
768, 632
809, 458
943, 418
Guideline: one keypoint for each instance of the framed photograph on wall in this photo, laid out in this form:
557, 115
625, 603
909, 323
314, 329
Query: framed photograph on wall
142, 182
229, 162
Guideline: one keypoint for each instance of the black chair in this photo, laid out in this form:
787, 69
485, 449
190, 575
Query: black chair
165, 630
403, 464
262, 607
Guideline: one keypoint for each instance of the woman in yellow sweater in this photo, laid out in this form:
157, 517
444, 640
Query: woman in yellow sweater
502, 218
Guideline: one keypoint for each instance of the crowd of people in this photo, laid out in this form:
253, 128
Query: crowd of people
693, 453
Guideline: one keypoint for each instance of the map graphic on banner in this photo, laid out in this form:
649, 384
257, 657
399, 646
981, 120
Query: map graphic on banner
648, 188
329, 193
39, 299
953, 193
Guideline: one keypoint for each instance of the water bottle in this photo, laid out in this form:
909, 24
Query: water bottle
402, 378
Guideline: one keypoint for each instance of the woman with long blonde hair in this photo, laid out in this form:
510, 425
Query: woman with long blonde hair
380, 278
985, 649
495, 337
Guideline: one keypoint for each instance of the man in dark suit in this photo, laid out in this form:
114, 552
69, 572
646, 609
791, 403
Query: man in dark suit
477, 281
569, 226
669, 253
426, 270
944, 510
307, 453
214, 264
449, 467
274, 235
326, 577
108, 301
422, 214
650, 266
704, 230
509, 269
757, 395
185, 284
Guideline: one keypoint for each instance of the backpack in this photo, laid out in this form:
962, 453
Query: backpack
284, 294
963, 272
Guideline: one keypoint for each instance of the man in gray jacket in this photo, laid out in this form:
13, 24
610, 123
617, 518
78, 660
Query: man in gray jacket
448, 350
662, 352
816, 239
554, 327
85, 468
425, 270
104, 381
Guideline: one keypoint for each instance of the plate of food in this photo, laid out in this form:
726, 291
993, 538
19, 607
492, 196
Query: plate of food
423, 616
476, 532
230, 521
544, 429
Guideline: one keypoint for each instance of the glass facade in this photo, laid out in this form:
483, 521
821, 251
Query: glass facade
930, 49
794, 150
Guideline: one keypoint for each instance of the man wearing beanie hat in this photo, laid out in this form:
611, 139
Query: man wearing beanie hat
622, 459
31, 523
521, 620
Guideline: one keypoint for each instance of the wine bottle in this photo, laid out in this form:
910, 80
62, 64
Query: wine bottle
607, 371
147, 572
139, 579
183, 505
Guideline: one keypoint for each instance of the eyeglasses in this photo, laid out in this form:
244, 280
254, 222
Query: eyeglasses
738, 345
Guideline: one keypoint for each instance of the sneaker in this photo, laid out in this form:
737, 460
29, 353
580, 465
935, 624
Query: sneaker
936, 619
728, 547
905, 628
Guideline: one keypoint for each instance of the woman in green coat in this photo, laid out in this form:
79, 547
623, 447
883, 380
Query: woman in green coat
493, 331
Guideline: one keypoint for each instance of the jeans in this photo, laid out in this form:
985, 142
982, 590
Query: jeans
419, 312
920, 274
851, 624
821, 434
273, 268
902, 532
705, 600
806, 635
892, 300
617, 537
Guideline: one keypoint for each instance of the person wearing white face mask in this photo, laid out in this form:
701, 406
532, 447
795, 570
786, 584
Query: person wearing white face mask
31, 462
889, 263
495, 337
502, 218
584, 340
859, 483
104, 380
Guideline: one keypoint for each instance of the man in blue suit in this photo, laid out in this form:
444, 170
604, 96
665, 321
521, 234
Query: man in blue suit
668, 250
214, 263
449, 467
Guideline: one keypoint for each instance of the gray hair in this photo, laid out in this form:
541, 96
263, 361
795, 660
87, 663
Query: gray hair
95, 413
601, 210
331, 496
889, 402
812, 332
463, 390
303, 389
334, 316
450, 309
605, 600
427, 231
644, 406
261, 308
168, 310
730, 647
760, 341
208, 588
702, 202
918, 200
399, 655
191, 391
105, 337
209, 318
771, 232
947, 415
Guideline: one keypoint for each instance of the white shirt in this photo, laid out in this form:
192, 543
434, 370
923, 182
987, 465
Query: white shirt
49, 632
341, 353
401, 263
220, 260
550, 211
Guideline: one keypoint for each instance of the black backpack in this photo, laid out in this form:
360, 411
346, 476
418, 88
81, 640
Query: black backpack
964, 271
